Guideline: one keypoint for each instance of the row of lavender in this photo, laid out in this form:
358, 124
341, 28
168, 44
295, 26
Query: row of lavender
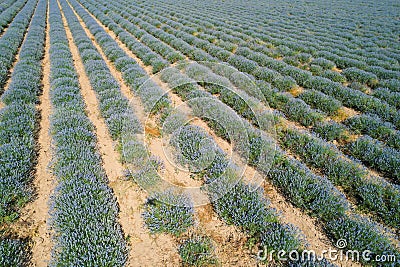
18, 120
12, 39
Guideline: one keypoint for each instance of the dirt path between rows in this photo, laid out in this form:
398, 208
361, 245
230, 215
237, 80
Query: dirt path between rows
145, 250
44, 180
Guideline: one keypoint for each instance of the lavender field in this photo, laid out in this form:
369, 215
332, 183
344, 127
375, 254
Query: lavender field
199, 133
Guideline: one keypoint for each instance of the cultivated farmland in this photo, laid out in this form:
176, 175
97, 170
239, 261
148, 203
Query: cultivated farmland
199, 133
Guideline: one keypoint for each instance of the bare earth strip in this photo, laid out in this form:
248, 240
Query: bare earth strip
146, 250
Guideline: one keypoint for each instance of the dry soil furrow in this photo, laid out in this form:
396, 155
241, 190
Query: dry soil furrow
38, 210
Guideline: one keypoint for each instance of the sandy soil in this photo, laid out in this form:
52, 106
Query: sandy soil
231, 245
337, 69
